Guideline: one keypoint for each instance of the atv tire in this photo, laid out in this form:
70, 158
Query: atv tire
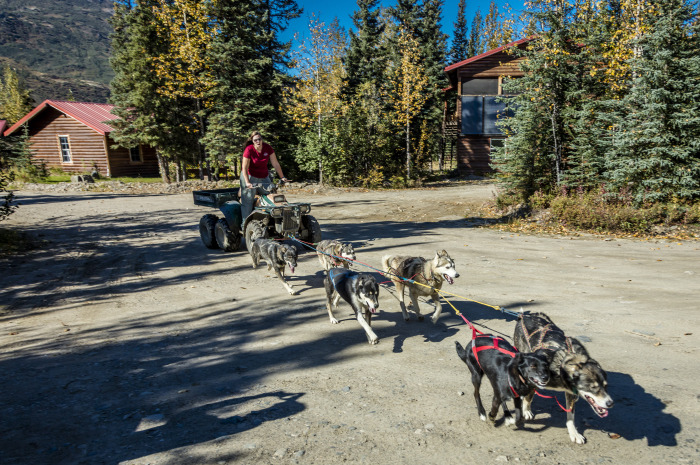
312, 229
255, 229
206, 231
226, 239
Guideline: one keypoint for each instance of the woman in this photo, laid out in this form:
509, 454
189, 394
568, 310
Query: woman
254, 169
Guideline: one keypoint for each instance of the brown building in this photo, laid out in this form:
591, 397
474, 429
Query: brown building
74, 136
477, 82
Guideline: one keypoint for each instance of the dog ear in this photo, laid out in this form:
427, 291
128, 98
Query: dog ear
293, 247
573, 362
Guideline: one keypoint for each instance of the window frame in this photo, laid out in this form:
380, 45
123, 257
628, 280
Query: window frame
61, 149
131, 155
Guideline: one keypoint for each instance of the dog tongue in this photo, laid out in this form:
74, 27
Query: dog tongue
291, 268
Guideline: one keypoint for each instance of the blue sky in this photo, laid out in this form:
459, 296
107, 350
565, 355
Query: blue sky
343, 9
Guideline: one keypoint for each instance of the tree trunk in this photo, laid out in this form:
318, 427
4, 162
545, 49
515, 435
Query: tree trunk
163, 168
408, 149
557, 145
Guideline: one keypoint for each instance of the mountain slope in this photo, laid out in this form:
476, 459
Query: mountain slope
58, 46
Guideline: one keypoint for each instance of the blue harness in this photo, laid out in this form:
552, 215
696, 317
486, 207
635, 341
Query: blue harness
340, 275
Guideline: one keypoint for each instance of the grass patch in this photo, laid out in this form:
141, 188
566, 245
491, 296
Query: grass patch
599, 212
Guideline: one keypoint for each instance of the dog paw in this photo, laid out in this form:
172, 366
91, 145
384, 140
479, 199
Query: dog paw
374, 341
492, 418
334, 321
510, 421
528, 415
434, 320
292, 292
482, 417
578, 438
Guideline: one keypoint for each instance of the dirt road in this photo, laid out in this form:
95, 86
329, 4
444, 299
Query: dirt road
124, 340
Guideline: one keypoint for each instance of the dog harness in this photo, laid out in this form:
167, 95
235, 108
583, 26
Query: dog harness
495, 346
340, 276
544, 330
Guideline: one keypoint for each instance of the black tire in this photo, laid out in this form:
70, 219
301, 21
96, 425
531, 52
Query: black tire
226, 239
314, 229
255, 229
206, 231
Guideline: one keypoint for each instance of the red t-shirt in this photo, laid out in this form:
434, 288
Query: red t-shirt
258, 160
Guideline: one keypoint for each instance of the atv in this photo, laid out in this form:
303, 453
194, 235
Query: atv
272, 217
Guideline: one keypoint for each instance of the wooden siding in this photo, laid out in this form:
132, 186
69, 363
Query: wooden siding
473, 155
498, 64
86, 145
121, 165
89, 149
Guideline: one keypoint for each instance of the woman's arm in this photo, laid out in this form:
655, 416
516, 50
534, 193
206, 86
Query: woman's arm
276, 165
244, 170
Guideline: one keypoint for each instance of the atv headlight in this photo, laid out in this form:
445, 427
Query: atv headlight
276, 213
305, 208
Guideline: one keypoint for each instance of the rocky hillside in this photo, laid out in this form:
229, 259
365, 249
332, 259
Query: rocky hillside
59, 47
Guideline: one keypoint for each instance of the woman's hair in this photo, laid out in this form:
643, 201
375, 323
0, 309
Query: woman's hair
251, 137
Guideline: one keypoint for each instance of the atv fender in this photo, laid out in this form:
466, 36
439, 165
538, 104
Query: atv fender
232, 213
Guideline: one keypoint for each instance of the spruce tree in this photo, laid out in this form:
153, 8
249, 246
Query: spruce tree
459, 51
656, 154
476, 41
535, 155
434, 51
242, 98
146, 116
365, 60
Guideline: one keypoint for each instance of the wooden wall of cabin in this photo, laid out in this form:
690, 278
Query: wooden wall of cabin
86, 145
474, 155
121, 165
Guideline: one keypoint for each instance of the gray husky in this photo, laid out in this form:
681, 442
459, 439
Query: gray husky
572, 370
428, 273
360, 290
277, 256
332, 253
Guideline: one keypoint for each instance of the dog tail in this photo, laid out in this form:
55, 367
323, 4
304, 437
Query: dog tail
385, 263
461, 352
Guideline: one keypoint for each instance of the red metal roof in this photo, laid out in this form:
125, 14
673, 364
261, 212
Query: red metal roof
92, 115
489, 53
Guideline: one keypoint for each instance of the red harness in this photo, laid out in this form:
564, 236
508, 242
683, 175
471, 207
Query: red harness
494, 346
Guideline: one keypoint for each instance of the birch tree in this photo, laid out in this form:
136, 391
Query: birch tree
316, 98
410, 84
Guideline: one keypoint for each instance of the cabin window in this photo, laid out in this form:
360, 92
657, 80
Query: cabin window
481, 113
497, 143
480, 86
64, 144
135, 154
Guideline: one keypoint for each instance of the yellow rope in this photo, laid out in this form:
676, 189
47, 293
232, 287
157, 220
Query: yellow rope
441, 292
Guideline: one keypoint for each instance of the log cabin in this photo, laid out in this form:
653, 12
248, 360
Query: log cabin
75, 137
476, 83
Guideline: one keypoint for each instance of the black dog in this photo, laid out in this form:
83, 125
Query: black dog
572, 370
512, 374
360, 290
